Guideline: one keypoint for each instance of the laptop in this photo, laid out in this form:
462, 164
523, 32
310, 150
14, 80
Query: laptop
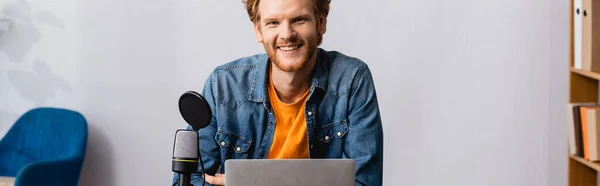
289, 172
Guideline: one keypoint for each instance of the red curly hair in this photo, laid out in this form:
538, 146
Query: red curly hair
321, 8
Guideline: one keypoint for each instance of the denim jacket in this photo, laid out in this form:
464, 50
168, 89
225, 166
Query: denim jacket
342, 115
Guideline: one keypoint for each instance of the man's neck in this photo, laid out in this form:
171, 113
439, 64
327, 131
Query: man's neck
291, 86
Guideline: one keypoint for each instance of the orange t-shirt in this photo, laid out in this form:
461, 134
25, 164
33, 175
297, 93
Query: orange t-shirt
290, 140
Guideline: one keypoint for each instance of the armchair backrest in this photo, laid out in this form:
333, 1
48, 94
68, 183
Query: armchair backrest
48, 133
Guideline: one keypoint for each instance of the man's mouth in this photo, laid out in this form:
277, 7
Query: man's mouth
289, 48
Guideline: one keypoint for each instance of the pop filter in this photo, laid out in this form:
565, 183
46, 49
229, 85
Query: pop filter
195, 110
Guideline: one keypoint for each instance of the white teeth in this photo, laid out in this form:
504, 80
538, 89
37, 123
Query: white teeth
288, 48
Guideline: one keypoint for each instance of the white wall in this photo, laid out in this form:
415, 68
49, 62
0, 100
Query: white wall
471, 92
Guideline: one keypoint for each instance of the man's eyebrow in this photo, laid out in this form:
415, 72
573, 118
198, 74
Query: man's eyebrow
265, 18
268, 19
302, 15
295, 16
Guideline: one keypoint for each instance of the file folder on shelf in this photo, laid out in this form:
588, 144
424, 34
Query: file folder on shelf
577, 11
590, 33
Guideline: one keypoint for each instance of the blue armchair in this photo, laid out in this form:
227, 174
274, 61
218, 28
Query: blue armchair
45, 147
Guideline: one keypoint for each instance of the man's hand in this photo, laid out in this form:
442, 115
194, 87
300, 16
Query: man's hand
218, 179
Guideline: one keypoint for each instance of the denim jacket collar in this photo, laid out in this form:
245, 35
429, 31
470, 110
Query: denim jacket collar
259, 86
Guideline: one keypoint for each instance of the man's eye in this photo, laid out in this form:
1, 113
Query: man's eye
272, 23
299, 20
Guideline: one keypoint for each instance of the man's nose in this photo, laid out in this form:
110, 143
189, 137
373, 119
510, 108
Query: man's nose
287, 32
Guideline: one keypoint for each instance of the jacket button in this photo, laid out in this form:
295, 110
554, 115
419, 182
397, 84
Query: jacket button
238, 149
309, 113
326, 137
339, 134
222, 143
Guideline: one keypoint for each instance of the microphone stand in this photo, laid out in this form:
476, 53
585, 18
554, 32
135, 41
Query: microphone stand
185, 180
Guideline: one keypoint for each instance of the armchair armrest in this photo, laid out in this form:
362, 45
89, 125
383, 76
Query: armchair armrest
55, 172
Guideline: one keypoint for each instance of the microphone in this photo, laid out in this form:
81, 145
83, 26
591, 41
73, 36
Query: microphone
197, 113
185, 155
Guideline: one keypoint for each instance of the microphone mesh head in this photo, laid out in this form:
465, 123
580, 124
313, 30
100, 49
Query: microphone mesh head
186, 144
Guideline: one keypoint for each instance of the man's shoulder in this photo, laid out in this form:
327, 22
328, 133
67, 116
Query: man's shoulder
241, 70
343, 67
343, 63
251, 61
234, 81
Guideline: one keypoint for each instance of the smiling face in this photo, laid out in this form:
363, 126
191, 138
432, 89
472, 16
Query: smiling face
290, 32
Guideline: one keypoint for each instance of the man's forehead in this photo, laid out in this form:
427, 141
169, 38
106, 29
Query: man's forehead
277, 8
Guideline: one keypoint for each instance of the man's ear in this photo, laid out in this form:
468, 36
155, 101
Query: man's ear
257, 32
322, 24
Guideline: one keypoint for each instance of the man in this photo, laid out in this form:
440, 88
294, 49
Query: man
295, 101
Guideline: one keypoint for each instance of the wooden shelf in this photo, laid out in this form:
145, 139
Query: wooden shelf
583, 87
593, 75
593, 165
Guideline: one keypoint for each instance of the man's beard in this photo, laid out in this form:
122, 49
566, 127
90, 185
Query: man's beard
309, 49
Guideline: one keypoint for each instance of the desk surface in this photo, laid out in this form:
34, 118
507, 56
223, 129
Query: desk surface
7, 181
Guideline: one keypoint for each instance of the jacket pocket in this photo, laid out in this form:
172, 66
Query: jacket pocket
333, 130
232, 145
